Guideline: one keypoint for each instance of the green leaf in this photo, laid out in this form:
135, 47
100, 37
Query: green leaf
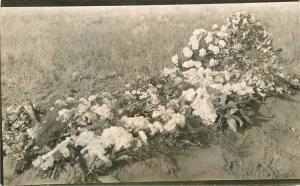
238, 119
245, 117
233, 110
232, 124
240, 122
227, 115
230, 104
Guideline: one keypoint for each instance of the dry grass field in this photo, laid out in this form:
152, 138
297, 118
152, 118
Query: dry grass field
46, 52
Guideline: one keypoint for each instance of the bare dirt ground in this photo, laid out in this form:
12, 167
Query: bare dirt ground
268, 150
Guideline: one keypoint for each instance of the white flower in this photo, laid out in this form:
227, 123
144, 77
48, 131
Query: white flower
85, 101
12, 109
160, 110
70, 100
176, 120
117, 137
154, 99
214, 27
213, 62
64, 115
37, 162
265, 50
173, 104
103, 111
179, 119
170, 127
31, 132
203, 106
177, 81
188, 95
46, 161
215, 49
193, 38
127, 92
265, 34
245, 21
169, 71
241, 88
224, 89
92, 97
197, 32
208, 38
198, 76
60, 103
191, 63
202, 52
111, 103
262, 94
238, 46
219, 79
223, 28
85, 137
227, 75
222, 43
153, 130
222, 34
143, 137
137, 143
158, 126
238, 14
165, 116
195, 45
82, 108
143, 96
282, 75
279, 90
136, 123
187, 52
295, 81
175, 59
88, 117
197, 64
92, 146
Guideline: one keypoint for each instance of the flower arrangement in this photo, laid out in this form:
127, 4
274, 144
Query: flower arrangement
215, 79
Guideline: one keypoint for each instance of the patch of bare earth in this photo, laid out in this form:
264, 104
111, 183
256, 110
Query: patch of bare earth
268, 150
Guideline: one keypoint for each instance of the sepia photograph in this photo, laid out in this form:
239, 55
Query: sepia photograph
152, 93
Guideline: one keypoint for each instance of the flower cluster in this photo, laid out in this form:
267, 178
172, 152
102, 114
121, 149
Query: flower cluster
86, 110
234, 60
19, 133
93, 147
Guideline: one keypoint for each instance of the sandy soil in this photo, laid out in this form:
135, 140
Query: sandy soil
268, 150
